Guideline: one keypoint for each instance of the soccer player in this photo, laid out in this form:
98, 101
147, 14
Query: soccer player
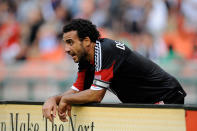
105, 64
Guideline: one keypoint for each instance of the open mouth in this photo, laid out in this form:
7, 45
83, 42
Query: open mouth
73, 55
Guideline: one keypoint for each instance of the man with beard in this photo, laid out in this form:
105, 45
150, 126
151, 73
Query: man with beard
105, 64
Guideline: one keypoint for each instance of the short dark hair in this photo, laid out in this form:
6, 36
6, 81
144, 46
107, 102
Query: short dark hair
84, 28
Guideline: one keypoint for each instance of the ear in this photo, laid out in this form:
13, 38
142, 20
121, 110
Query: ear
86, 41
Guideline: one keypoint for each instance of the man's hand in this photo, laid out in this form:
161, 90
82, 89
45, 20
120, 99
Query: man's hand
49, 108
64, 109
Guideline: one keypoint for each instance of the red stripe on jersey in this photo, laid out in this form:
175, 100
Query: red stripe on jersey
105, 74
79, 83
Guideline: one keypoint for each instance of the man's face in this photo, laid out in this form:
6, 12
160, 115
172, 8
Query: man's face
73, 46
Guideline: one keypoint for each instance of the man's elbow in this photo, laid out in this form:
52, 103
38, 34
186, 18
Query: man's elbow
97, 96
98, 100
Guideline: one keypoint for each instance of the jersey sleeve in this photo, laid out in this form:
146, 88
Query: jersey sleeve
78, 85
107, 60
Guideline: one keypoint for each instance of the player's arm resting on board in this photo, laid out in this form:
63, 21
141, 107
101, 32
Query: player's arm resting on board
50, 105
86, 96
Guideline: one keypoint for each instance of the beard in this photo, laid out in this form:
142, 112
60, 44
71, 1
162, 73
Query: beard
82, 56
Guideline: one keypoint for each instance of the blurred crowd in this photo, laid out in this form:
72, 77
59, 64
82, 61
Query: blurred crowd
159, 29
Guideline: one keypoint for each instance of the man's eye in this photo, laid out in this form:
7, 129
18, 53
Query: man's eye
70, 42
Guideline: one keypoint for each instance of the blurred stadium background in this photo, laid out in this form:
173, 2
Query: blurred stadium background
33, 65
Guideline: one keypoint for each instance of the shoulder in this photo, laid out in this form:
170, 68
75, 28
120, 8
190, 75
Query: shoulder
107, 46
106, 43
107, 51
104, 47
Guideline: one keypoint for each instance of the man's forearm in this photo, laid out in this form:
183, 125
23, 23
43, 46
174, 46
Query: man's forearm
85, 96
58, 97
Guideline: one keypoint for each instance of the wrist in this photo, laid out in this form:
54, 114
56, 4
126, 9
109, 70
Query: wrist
55, 99
64, 99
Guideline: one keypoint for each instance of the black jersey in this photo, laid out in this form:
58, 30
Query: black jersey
130, 76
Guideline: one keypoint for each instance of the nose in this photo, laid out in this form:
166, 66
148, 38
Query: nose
67, 48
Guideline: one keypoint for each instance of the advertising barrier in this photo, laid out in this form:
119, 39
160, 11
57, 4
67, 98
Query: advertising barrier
96, 117
191, 120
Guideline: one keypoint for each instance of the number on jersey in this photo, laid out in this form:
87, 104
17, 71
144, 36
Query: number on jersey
120, 45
